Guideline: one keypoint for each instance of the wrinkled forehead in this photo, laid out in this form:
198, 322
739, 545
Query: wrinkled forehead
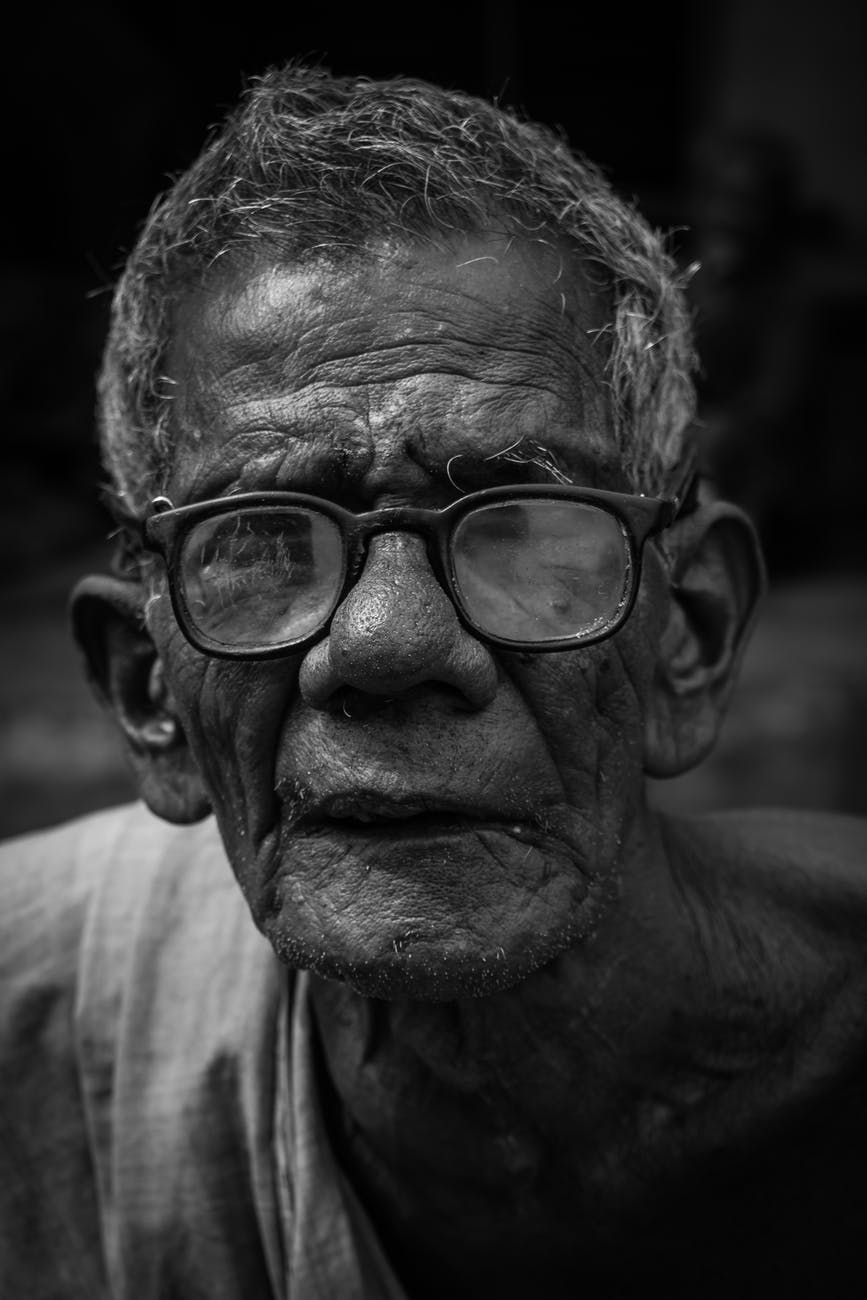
498, 336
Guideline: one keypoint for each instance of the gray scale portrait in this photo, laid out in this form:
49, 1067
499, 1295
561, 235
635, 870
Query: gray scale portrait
393, 983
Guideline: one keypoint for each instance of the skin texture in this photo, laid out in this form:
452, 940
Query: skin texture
362, 384
522, 1017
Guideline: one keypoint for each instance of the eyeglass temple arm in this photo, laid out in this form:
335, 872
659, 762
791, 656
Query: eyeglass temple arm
686, 498
683, 502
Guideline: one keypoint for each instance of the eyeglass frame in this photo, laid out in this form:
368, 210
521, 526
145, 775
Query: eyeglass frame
640, 517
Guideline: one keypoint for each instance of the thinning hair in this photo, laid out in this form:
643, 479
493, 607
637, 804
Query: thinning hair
316, 167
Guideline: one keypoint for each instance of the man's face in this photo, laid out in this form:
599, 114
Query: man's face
404, 807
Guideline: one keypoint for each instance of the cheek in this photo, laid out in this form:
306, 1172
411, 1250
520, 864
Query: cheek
589, 707
232, 714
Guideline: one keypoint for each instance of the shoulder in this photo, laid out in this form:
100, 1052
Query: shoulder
72, 893
793, 853
77, 852
783, 890
49, 879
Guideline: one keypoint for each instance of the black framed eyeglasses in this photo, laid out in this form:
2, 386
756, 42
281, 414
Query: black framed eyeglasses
528, 568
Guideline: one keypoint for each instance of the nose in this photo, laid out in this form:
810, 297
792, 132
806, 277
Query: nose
395, 630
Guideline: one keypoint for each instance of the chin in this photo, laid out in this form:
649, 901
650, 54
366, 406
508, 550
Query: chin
432, 917
410, 964
422, 973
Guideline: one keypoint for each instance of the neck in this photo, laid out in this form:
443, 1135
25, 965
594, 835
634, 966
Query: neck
459, 1113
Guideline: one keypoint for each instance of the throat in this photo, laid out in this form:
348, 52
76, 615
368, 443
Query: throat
419, 1084
450, 1170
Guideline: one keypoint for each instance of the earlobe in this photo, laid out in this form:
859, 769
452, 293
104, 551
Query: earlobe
717, 579
127, 674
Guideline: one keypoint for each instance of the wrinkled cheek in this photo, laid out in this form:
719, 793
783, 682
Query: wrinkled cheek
588, 705
232, 714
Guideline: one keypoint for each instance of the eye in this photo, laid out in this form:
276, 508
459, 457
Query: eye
261, 576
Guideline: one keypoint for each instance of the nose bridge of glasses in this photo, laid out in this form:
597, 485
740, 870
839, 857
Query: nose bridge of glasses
412, 520
397, 519
396, 533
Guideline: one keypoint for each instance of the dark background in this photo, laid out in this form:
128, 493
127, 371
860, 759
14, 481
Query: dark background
743, 126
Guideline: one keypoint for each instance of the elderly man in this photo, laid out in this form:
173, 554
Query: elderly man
416, 585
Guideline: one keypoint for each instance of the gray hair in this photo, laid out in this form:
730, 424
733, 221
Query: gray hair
314, 166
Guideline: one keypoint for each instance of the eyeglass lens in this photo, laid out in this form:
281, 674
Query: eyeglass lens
532, 570
540, 570
262, 577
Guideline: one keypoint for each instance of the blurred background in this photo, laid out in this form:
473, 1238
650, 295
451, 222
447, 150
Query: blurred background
741, 126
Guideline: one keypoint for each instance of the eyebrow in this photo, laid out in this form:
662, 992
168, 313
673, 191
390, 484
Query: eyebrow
527, 461
527, 451
333, 467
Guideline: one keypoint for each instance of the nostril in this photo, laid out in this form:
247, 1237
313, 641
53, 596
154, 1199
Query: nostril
350, 705
356, 706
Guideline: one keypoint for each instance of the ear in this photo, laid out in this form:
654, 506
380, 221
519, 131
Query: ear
127, 674
717, 578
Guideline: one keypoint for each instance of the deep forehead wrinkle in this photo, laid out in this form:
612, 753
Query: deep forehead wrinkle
395, 364
275, 327
300, 364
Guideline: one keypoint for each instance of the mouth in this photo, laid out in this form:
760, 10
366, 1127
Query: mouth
370, 814
368, 809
